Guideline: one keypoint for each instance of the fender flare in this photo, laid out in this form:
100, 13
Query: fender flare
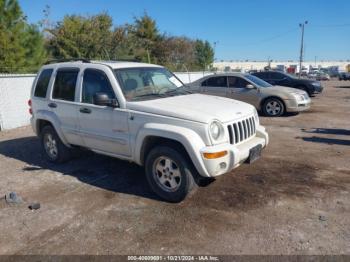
190, 140
54, 120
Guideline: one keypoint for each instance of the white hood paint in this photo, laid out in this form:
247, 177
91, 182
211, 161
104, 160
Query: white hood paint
195, 107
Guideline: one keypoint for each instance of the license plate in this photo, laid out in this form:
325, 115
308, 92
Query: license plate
254, 154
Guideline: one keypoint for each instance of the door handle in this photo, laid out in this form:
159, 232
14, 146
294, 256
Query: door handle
52, 105
85, 110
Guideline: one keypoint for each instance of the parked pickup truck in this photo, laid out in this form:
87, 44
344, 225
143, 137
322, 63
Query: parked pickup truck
144, 114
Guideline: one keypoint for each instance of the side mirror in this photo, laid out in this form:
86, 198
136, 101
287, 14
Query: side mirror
102, 99
250, 86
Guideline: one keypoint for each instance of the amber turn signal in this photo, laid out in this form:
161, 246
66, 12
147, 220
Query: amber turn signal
215, 155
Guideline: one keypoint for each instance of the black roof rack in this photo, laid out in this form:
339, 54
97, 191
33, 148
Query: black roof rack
67, 60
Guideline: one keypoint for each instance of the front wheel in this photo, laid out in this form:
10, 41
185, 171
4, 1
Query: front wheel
273, 107
169, 174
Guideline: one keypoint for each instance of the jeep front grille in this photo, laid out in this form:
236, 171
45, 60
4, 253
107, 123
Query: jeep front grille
241, 130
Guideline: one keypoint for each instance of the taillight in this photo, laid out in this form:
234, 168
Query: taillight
30, 106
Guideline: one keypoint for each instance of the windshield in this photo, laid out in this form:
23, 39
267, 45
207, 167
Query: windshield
257, 81
148, 83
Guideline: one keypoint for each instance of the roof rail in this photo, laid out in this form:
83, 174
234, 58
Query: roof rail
67, 60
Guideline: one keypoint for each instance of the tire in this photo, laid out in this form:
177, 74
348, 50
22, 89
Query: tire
273, 107
54, 150
169, 174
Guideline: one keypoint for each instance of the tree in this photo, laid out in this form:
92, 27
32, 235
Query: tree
35, 52
204, 54
145, 34
21, 45
94, 37
177, 53
81, 37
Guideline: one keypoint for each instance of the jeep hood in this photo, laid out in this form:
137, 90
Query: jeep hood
195, 107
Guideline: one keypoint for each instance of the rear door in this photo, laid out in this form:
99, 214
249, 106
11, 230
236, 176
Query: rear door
103, 128
63, 103
216, 85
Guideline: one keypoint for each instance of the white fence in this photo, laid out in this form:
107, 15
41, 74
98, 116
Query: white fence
15, 92
14, 95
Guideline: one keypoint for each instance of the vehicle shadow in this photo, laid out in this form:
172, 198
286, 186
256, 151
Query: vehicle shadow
287, 114
330, 131
330, 141
342, 86
93, 169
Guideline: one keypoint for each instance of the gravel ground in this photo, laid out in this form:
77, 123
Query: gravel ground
294, 200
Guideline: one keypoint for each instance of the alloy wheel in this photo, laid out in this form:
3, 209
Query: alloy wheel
273, 108
50, 145
167, 174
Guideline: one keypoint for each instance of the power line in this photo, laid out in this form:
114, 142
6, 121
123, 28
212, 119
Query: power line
267, 39
331, 25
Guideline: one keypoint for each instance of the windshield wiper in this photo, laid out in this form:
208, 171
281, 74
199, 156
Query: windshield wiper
181, 88
150, 94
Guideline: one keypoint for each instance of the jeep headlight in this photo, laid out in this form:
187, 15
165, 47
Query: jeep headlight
216, 130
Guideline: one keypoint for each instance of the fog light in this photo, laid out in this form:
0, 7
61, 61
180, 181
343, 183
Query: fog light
215, 155
223, 165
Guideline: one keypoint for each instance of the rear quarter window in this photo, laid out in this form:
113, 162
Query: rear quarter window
43, 83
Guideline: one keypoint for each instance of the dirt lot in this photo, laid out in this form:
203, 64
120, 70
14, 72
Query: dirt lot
294, 200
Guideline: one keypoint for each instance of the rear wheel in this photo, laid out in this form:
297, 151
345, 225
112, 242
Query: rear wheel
169, 174
55, 151
273, 107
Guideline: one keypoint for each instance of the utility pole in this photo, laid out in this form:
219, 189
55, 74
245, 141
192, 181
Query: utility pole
215, 43
302, 25
315, 61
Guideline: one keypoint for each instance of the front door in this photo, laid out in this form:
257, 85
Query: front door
238, 90
103, 128
280, 79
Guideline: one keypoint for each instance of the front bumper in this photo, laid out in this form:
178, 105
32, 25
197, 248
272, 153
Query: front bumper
297, 106
318, 89
237, 154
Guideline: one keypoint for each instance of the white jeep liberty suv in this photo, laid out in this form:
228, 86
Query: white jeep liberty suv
144, 114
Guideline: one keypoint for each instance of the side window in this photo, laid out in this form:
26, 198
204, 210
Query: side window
262, 75
95, 81
277, 76
237, 82
43, 83
65, 82
218, 81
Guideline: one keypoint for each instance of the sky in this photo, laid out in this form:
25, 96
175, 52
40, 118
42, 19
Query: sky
243, 30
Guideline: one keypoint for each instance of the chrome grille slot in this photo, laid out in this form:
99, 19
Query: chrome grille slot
241, 130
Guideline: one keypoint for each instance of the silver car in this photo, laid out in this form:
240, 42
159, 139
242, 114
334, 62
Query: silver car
270, 100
